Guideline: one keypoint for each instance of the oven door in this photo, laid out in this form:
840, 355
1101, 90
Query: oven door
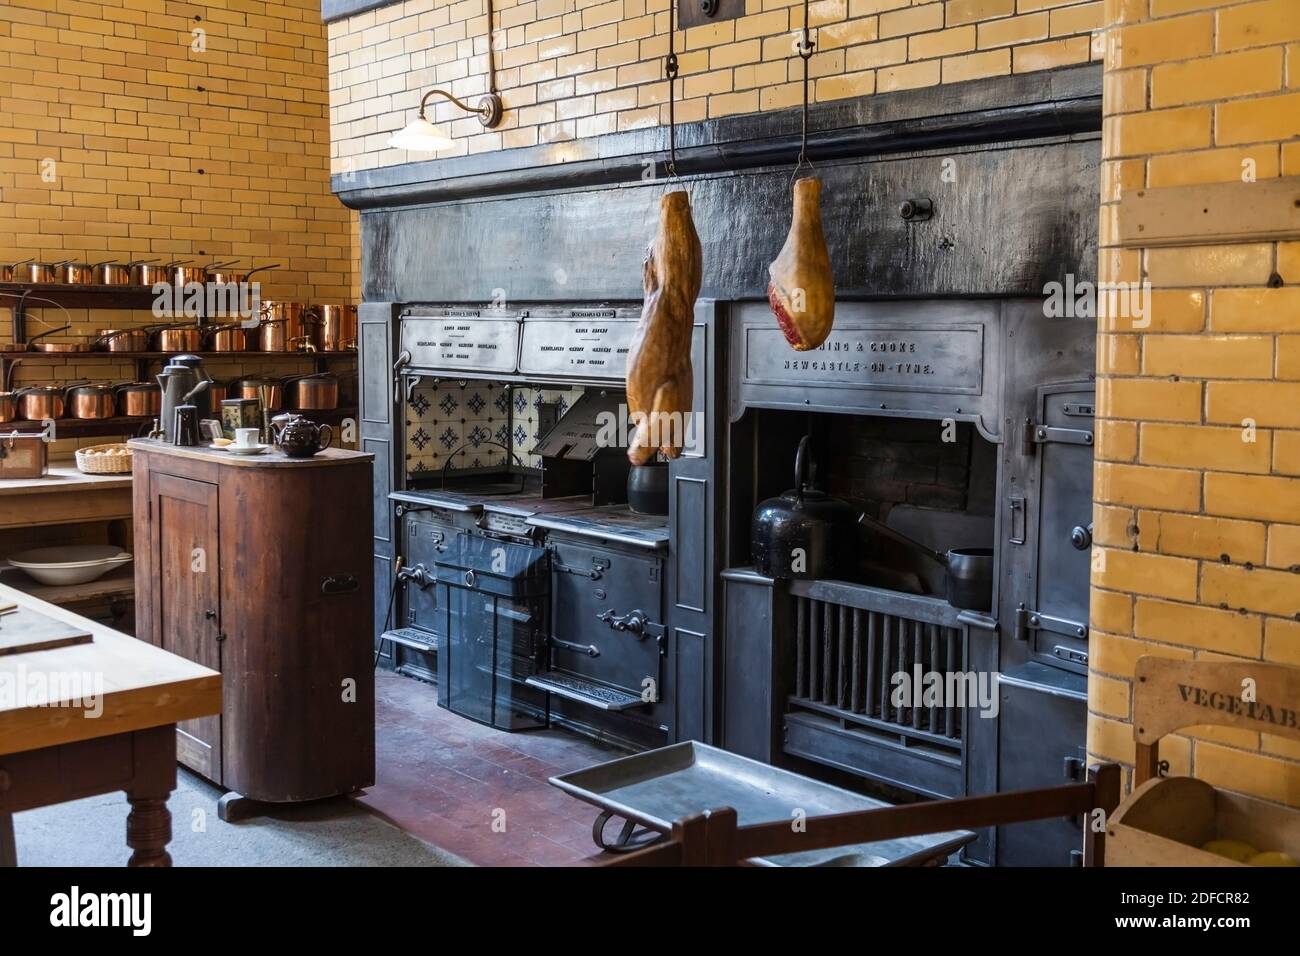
607, 642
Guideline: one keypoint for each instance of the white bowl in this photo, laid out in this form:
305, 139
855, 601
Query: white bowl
70, 564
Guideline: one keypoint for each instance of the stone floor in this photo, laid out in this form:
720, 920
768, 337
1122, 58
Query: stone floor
477, 792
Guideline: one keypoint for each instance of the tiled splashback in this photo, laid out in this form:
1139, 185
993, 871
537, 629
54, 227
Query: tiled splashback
465, 420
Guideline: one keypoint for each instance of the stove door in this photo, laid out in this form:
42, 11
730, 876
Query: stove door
1056, 621
607, 634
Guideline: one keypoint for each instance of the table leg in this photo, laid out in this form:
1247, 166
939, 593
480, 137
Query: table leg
149, 824
8, 849
148, 831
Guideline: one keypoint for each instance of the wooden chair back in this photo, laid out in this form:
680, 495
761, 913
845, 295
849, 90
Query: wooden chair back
1171, 695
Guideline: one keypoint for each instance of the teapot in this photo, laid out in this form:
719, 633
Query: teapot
298, 436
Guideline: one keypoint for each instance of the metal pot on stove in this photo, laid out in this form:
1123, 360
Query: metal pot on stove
802, 533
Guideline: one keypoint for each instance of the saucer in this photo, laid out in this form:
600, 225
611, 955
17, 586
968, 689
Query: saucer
246, 449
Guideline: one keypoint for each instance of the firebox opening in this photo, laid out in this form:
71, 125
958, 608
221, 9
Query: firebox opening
933, 481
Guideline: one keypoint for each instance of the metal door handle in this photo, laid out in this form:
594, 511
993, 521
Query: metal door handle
340, 584
591, 650
210, 614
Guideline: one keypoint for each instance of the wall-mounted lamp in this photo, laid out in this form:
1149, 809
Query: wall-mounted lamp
422, 135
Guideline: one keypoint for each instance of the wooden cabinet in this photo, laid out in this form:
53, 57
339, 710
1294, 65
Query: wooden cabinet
260, 568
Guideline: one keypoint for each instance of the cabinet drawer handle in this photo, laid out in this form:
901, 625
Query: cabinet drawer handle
341, 584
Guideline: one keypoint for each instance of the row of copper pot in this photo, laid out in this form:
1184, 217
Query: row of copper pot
82, 400
98, 400
142, 273
282, 327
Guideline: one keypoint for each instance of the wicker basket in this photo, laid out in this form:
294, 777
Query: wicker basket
104, 464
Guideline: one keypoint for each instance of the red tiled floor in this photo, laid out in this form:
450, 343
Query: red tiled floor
445, 779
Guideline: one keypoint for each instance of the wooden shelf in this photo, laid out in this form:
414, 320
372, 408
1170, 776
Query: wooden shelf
118, 583
76, 296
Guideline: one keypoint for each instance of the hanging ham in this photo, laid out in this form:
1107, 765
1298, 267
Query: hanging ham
802, 290
659, 380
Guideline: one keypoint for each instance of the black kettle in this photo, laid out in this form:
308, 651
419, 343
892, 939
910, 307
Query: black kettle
804, 533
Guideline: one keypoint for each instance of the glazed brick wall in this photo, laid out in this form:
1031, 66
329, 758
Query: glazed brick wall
151, 149
1198, 527
568, 69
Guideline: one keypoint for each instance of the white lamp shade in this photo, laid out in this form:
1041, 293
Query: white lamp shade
420, 135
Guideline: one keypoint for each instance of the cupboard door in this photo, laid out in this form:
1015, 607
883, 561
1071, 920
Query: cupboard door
187, 605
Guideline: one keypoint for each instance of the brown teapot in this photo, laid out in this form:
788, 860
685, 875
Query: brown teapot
298, 436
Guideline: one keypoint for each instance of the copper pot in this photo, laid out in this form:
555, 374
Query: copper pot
139, 400
92, 400
217, 392
287, 327
319, 392
182, 275
10, 270
338, 328
8, 406
124, 340
77, 273
249, 387
38, 273
39, 402
231, 337
113, 273
144, 273
178, 338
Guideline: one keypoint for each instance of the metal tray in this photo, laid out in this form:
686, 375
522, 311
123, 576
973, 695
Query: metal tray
659, 786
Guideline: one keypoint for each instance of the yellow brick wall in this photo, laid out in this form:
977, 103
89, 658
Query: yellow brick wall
1197, 518
120, 140
568, 69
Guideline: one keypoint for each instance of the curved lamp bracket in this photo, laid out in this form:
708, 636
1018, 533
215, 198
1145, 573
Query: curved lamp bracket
489, 107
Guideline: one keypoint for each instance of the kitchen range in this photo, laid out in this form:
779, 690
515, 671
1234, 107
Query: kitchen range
885, 476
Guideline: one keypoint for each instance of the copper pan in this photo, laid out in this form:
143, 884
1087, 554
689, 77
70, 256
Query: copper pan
124, 340
113, 273
178, 338
145, 274
231, 337
91, 400
35, 345
78, 273
139, 399
38, 273
8, 272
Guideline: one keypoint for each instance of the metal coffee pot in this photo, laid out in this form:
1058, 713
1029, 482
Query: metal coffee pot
300, 437
183, 382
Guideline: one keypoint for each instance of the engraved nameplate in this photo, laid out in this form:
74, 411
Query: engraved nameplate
898, 358
462, 343
592, 345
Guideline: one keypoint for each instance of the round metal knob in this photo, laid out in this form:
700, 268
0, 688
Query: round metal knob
1081, 537
469, 579
708, 7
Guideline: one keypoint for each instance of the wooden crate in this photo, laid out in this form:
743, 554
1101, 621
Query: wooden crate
1166, 821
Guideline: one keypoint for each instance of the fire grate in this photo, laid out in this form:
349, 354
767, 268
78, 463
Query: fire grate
850, 641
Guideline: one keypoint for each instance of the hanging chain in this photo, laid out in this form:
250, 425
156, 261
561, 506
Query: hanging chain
670, 67
805, 50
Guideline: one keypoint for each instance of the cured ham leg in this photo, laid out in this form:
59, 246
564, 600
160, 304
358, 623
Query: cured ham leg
659, 378
802, 290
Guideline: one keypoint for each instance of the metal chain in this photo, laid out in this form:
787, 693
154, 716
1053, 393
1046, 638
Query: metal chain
805, 50
670, 67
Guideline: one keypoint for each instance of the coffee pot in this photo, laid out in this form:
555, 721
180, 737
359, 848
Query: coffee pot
298, 436
183, 382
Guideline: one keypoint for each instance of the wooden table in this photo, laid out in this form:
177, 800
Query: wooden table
53, 747
64, 496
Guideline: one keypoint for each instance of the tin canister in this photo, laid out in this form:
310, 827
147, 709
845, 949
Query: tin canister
240, 413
